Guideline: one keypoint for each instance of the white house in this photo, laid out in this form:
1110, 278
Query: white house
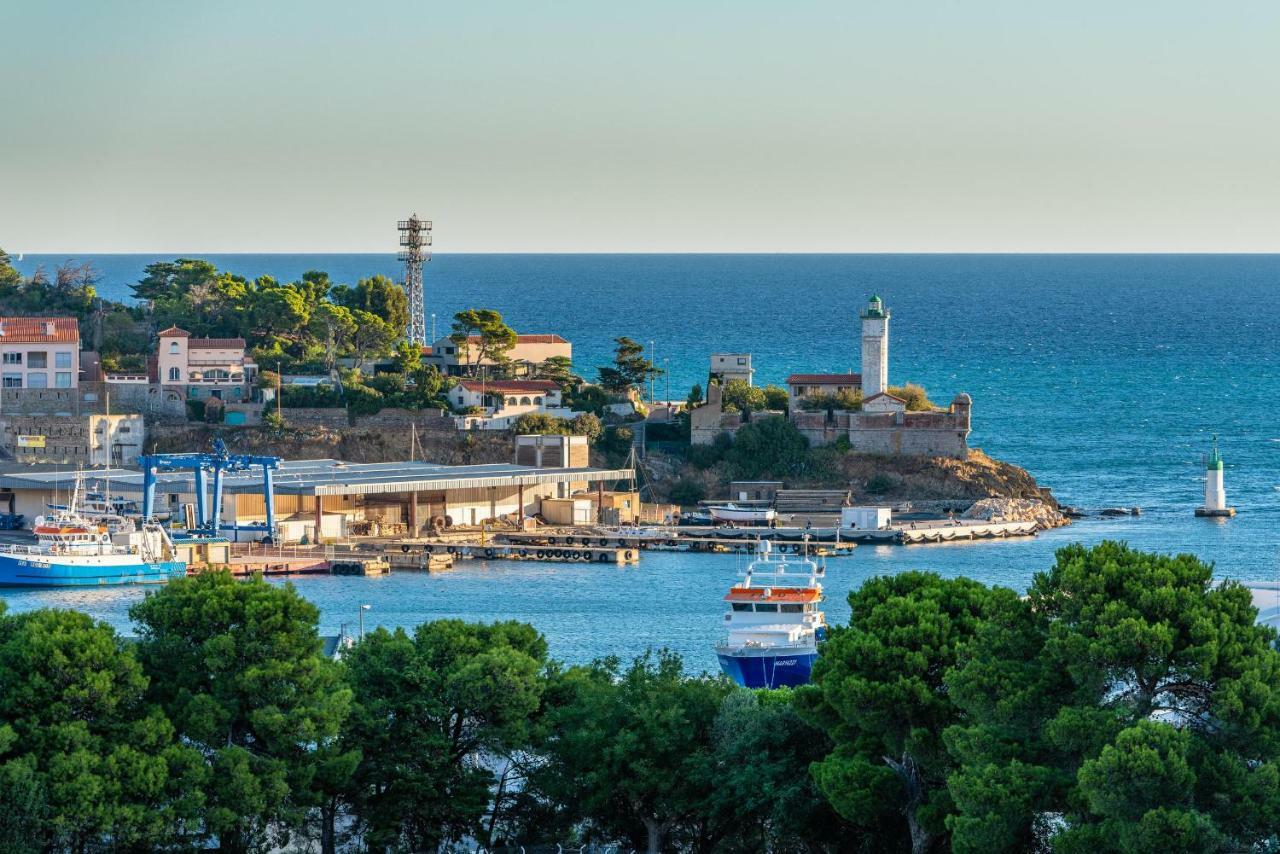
497, 395
501, 402
727, 367
204, 367
40, 352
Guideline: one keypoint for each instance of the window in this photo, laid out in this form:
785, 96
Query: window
62, 379
173, 347
767, 609
741, 606
37, 359
792, 609
37, 380
62, 360
13, 380
537, 401
175, 374
741, 361
524, 401
511, 401
13, 358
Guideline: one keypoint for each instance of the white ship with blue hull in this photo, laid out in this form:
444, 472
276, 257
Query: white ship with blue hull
72, 550
774, 622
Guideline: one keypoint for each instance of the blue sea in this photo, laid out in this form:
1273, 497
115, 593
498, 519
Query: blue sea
1104, 375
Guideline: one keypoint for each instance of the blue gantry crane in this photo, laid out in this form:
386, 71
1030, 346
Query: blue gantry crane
217, 463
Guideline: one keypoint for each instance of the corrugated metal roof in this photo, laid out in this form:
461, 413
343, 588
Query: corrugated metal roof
328, 477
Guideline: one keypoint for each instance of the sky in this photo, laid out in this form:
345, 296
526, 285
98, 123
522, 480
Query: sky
281, 126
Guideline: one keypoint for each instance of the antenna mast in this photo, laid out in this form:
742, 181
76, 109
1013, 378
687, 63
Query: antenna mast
415, 240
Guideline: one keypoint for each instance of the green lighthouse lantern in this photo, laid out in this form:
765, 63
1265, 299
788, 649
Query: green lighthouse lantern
1213, 462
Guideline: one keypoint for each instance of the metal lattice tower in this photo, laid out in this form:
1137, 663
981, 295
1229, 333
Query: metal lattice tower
415, 240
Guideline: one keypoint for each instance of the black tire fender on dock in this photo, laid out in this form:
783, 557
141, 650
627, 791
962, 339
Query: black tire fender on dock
450, 549
551, 540
524, 553
603, 541
629, 555
604, 558
489, 552
404, 548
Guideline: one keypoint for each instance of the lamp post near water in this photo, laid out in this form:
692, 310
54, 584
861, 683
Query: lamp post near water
363, 608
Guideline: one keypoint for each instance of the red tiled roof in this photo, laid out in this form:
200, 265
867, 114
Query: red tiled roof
883, 394
824, 379
504, 386
175, 332
215, 343
35, 330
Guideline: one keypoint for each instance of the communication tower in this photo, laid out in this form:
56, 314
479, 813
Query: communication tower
415, 243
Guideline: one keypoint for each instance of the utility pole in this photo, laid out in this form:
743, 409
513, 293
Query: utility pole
415, 238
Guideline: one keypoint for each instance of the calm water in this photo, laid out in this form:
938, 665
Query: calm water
1103, 375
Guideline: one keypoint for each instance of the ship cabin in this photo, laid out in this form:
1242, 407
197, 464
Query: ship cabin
760, 606
62, 538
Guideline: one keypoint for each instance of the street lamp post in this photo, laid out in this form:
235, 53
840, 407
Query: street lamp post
363, 608
651, 380
433, 328
666, 376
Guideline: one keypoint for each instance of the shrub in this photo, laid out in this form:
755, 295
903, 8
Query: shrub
195, 410
540, 424
915, 396
767, 446
880, 483
587, 424
776, 397
687, 492
742, 396
848, 401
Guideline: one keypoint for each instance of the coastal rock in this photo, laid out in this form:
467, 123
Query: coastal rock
1016, 510
1121, 511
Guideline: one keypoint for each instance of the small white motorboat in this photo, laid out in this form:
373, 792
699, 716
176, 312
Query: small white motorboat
749, 515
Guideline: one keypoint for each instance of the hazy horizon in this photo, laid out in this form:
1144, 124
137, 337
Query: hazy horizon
712, 128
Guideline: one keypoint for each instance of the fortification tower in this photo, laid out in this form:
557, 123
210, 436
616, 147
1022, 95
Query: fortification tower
875, 348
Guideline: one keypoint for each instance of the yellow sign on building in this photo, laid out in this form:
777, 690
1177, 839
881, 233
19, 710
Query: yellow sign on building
31, 441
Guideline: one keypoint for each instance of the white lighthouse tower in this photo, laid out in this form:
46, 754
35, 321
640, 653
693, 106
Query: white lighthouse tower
875, 348
1215, 497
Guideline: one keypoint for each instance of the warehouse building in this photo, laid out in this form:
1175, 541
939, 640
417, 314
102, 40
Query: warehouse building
340, 499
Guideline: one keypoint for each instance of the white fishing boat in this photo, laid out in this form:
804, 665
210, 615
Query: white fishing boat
748, 515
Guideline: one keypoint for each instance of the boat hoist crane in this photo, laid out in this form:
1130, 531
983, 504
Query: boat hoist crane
217, 463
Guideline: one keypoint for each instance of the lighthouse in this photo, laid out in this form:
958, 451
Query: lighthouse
1215, 497
875, 348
